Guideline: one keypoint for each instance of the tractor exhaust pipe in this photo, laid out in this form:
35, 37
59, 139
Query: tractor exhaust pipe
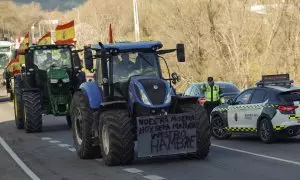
290, 132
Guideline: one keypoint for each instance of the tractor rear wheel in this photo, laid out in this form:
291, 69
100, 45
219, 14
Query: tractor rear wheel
18, 103
202, 132
82, 120
32, 112
116, 137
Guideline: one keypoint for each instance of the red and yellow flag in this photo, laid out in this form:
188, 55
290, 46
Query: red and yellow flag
110, 35
46, 39
25, 42
65, 34
14, 66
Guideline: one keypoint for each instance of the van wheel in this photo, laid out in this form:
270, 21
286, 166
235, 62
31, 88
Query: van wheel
218, 130
265, 131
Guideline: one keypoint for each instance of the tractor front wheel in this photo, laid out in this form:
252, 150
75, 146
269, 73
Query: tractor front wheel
116, 137
32, 112
82, 121
202, 130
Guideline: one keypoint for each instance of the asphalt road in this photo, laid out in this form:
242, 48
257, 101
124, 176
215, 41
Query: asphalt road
50, 155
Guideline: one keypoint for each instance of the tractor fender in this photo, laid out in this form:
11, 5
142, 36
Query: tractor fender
115, 105
93, 93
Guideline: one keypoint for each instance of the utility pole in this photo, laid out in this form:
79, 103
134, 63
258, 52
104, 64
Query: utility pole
32, 33
136, 20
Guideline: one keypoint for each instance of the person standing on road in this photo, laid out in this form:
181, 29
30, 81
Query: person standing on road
212, 94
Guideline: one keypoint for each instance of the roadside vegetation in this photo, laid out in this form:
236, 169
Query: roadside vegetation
223, 38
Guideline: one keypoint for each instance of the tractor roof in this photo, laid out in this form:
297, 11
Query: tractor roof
132, 46
50, 46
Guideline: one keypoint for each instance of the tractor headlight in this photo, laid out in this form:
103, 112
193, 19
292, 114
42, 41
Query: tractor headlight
145, 98
168, 100
53, 81
66, 80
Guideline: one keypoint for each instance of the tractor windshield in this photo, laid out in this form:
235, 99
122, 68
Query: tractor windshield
3, 61
45, 58
126, 65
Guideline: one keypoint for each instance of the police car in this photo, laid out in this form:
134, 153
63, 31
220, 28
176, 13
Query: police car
270, 110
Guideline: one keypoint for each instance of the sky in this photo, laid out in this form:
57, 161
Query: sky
61, 5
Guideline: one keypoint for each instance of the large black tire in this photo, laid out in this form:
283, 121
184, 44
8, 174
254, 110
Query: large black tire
18, 103
202, 132
32, 112
82, 120
218, 130
116, 137
266, 132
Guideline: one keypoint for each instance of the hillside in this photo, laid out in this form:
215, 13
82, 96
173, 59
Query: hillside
61, 5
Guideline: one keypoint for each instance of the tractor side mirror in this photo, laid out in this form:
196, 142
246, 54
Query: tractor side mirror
175, 78
88, 59
77, 61
180, 52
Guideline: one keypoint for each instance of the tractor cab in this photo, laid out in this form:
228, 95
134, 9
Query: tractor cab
121, 64
53, 64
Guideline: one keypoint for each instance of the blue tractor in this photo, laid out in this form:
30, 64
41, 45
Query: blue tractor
130, 110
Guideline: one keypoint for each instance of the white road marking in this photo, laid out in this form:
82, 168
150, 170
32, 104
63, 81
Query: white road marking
64, 145
54, 141
100, 160
46, 138
72, 149
259, 155
18, 160
153, 177
133, 170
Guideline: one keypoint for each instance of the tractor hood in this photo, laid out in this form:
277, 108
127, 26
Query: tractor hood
58, 73
150, 91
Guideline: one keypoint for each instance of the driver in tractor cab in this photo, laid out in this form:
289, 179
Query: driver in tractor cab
49, 60
124, 67
64, 56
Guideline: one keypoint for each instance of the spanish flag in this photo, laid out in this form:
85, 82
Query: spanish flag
14, 66
65, 34
25, 42
46, 39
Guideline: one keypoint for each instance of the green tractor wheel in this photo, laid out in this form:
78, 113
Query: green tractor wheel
203, 130
32, 112
18, 104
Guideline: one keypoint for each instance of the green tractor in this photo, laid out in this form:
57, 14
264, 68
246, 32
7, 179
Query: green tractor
47, 81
